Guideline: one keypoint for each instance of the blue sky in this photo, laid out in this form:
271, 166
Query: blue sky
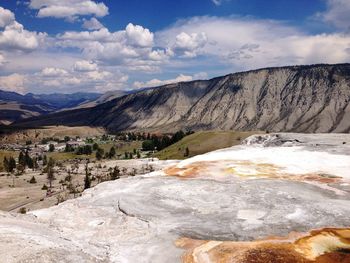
86, 45
159, 14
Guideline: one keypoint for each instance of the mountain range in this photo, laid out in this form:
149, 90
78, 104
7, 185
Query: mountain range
314, 98
15, 107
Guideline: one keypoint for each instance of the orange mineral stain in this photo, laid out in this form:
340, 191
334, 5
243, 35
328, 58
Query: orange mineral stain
329, 245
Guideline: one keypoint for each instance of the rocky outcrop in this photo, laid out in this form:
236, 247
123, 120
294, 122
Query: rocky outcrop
300, 98
209, 207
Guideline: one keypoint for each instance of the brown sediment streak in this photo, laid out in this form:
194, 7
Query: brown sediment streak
328, 245
244, 169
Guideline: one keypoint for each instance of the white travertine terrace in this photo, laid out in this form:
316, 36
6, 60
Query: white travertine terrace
241, 193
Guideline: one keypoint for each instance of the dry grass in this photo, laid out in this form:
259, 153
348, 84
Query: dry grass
36, 135
203, 142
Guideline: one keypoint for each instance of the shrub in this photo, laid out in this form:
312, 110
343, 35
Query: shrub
22, 210
32, 180
51, 148
44, 187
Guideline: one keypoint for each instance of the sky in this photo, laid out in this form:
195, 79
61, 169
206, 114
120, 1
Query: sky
68, 46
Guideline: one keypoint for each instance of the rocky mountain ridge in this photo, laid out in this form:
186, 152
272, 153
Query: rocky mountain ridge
15, 106
313, 98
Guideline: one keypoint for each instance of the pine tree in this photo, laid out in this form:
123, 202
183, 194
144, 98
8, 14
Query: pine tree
35, 163
12, 164
112, 152
99, 154
22, 159
6, 165
28, 160
44, 160
51, 148
87, 180
95, 146
50, 175
187, 152
50, 171
115, 174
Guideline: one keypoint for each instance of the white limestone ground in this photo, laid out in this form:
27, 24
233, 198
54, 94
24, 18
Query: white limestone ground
138, 219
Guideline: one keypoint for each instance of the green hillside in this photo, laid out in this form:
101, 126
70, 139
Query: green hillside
203, 142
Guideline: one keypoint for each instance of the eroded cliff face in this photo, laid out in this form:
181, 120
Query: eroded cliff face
231, 205
312, 99
301, 98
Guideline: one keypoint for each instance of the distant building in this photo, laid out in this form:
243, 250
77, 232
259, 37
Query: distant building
60, 147
76, 144
43, 147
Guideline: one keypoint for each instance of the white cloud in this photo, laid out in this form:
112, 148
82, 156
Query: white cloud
2, 60
139, 36
200, 75
157, 82
6, 17
15, 37
160, 54
219, 2
85, 65
68, 80
14, 82
69, 9
98, 75
92, 24
53, 72
134, 45
337, 14
190, 44
245, 43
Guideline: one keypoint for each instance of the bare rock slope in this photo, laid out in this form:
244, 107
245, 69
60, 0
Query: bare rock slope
300, 98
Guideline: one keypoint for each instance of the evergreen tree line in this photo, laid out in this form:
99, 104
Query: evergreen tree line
24, 161
100, 153
132, 136
160, 142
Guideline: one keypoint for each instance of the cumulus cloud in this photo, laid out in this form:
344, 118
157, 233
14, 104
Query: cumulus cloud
6, 17
158, 82
92, 24
139, 36
85, 66
53, 72
190, 44
160, 54
13, 36
337, 13
69, 9
134, 45
14, 82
